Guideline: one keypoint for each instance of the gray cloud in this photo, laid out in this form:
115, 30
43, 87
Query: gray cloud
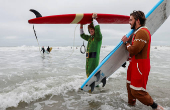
15, 30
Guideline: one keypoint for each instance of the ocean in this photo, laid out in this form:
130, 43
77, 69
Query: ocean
32, 81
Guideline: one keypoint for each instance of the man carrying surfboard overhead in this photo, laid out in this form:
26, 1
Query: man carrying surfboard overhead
139, 67
93, 46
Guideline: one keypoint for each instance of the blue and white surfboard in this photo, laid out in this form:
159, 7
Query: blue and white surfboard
155, 18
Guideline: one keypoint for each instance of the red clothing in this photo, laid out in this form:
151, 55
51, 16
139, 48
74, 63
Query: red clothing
139, 67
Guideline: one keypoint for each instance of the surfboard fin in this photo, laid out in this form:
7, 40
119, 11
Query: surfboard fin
92, 86
104, 81
97, 75
37, 14
124, 65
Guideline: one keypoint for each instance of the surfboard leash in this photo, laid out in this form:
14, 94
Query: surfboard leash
83, 46
73, 46
36, 38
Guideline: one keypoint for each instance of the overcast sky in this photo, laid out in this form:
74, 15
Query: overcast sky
16, 31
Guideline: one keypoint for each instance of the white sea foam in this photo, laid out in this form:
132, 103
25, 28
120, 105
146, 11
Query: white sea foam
28, 77
31, 90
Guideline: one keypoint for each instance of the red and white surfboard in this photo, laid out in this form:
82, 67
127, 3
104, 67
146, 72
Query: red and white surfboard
84, 18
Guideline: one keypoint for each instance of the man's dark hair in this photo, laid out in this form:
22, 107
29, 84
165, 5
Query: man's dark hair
139, 15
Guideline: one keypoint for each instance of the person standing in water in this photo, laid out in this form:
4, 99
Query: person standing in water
93, 46
139, 67
42, 49
48, 49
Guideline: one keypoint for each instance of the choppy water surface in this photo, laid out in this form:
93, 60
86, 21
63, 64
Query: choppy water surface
29, 81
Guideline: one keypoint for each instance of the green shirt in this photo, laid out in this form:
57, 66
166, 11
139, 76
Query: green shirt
94, 45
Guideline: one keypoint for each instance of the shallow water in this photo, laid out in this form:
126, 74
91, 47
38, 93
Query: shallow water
30, 81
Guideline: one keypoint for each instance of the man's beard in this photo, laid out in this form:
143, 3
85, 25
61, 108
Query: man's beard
133, 27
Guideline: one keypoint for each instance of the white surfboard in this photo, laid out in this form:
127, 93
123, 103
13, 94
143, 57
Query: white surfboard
114, 60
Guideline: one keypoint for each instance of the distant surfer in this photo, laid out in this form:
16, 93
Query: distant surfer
93, 46
139, 67
48, 49
42, 49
